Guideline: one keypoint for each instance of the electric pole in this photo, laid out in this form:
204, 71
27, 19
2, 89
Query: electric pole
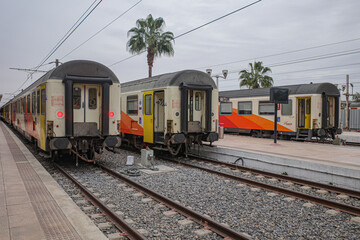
347, 102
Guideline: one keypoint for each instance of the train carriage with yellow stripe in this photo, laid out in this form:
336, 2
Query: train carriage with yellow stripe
73, 108
170, 111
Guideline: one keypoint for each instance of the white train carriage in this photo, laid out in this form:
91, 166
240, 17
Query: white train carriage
74, 107
172, 110
313, 110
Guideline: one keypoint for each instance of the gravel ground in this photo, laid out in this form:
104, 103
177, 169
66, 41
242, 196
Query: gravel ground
283, 184
148, 216
243, 208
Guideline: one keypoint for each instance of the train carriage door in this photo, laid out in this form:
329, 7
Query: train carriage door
159, 116
78, 103
43, 117
304, 112
148, 117
196, 111
92, 104
86, 109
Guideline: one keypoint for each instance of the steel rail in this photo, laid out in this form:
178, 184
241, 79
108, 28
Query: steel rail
195, 216
324, 202
120, 223
346, 191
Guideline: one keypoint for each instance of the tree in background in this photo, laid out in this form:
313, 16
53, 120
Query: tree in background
356, 97
256, 77
148, 35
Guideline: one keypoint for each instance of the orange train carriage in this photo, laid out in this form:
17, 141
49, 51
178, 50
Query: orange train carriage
312, 111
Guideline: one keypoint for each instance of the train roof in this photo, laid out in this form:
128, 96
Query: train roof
312, 88
83, 68
169, 79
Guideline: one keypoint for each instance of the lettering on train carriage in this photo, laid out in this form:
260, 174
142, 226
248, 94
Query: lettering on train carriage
57, 101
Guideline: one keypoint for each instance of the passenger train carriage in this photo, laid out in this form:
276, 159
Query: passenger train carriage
312, 110
74, 107
170, 110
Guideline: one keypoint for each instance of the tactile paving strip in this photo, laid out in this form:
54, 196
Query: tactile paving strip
52, 220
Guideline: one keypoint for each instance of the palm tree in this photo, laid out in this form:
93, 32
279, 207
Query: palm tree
148, 35
257, 77
356, 97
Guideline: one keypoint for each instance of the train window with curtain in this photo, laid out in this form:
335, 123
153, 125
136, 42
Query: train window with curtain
266, 108
198, 101
38, 102
43, 101
286, 109
76, 98
132, 105
148, 104
18, 106
33, 101
226, 108
28, 104
244, 108
92, 98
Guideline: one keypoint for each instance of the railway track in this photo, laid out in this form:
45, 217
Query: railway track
327, 203
119, 222
132, 233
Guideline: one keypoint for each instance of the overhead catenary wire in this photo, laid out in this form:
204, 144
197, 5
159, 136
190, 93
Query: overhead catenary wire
308, 59
192, 30
107, 25
57, 46
69, 31
281, 53
72, 31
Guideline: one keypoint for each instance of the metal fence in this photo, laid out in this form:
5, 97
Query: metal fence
354, 118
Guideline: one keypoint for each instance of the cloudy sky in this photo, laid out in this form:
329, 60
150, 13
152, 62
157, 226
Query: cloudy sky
284, 34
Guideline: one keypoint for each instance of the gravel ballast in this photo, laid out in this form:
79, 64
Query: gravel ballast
252, 212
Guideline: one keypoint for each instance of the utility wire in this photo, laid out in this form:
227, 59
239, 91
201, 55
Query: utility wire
69, 31
64, 39
101, 29
194, 29
72, 31
320, 57
281, 53
313, 58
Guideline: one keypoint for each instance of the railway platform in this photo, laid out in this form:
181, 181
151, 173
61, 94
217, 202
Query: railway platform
326, 163
32, 204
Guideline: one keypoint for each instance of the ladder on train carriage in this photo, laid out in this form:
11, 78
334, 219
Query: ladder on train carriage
303, 134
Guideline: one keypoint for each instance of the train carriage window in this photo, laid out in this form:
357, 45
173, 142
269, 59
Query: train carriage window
226, 108
266, 108
43, 101
76, 98
38, 102
28, 104
132, 105
198, 101
244, 108
308, 106
92, 98
148, 104
33, 101
286, 109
